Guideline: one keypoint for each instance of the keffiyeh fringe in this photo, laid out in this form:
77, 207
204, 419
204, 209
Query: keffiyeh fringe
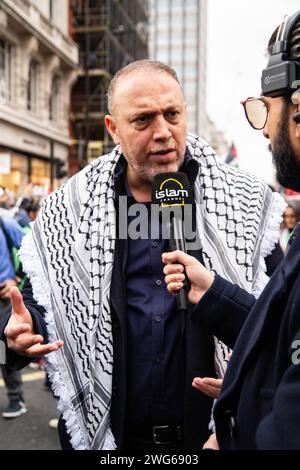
269, 241
40, 288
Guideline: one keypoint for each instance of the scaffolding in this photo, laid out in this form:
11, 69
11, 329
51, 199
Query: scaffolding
110, 35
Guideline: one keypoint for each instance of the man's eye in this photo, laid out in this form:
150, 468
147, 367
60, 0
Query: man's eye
172, 114
142, 119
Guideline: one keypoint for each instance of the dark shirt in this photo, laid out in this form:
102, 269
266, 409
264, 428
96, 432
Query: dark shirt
155, 353
155, 349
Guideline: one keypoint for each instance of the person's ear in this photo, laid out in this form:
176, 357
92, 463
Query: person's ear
112, 128
296, 115
296, 119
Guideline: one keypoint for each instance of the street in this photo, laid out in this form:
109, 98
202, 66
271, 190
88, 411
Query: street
30, 431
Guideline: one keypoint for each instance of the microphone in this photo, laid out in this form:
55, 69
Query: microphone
171, 192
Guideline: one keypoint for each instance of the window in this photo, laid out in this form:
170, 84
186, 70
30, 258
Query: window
5, 70
54, 11
40, 172
17, 179
32, 86
54, 99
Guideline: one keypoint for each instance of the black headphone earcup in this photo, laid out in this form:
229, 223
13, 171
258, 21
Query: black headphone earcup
296, 118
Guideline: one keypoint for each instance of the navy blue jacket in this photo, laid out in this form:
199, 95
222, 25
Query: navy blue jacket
259, 406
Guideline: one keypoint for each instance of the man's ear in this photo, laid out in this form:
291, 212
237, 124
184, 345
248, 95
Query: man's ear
112, 128
296, 101
298, 124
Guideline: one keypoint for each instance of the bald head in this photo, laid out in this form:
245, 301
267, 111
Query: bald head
148, 67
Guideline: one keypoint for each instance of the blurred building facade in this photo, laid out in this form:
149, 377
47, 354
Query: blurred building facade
37, 63
216, 139
110, 34
177, 37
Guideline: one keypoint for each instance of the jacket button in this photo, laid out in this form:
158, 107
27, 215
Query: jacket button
114, 391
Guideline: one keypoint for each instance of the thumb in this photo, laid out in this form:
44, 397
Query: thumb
18, 306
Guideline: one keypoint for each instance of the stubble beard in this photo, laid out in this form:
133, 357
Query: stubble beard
147, 173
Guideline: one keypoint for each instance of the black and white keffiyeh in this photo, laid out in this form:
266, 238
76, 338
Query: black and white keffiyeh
69, 258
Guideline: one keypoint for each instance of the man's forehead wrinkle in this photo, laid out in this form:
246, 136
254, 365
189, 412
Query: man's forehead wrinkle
146, 79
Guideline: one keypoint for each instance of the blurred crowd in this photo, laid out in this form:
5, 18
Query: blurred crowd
16, 215
23, 209
291, 217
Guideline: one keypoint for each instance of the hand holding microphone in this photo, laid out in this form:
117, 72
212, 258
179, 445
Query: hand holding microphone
179, 265
185, 276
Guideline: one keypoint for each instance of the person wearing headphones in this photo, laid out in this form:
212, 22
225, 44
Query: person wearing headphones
259, 404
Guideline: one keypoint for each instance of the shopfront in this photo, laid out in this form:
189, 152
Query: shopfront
22, 174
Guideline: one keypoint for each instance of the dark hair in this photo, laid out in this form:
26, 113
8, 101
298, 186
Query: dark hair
137, 66
35, 206
26, 203
295, 209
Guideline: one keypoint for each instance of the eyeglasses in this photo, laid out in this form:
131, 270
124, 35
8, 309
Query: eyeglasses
256, 112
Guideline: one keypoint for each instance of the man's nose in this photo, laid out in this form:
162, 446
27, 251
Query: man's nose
266, 131
161, 129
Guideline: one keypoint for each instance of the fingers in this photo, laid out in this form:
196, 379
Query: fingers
178, 257
211, 443
174, 278
43, 349
17, 303
173, 269
210, 381
20, 314
174, 282
24, 342
11, 332
174, 287
209, 386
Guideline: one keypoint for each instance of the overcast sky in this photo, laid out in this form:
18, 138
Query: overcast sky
238, 34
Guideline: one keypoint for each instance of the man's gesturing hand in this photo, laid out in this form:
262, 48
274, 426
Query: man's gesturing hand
200, 278
208, 385
19, 331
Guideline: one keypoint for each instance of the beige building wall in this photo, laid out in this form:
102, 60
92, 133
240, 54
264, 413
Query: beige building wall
37, 69
56, 11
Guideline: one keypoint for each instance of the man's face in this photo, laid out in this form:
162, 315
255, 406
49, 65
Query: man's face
149, 123
290, 218
279, 129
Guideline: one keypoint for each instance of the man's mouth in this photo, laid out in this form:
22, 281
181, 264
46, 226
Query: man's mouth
163, 153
